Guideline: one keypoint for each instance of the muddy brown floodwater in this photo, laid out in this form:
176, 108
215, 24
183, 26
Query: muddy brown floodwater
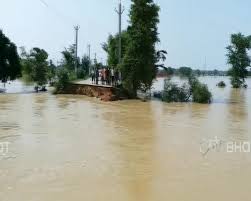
63, 148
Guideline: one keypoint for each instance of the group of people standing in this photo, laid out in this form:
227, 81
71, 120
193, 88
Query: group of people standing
105, 76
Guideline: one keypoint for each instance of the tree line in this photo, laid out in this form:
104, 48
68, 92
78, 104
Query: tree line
186, 71
141, 60
34, 65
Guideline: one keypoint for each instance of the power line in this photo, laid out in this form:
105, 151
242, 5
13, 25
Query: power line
58, 13
89, 57
44, 3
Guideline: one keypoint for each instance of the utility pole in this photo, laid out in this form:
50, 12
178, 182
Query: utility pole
89, 57
76, 48
95, 58
120, 12
89, 52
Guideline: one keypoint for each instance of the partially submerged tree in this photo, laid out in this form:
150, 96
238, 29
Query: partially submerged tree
238, 58
199, 91
10, 67
35, 66
63, 79
40, 66
138, 68
174, 93
194, 91
221, 84
52, 69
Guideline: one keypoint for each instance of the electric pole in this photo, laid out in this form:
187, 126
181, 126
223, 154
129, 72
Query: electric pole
89, 57
89, 52
95, 58
76, 48
120, 12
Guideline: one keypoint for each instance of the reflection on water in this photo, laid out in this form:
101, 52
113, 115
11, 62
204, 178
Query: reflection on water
78, 148
18, 87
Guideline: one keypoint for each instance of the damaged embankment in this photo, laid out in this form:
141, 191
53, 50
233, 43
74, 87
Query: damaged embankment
105, 93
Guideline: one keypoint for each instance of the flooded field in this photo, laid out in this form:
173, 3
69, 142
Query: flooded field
63, 148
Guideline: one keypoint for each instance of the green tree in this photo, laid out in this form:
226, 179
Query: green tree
111, 48
238, 59
51, 71
26, 65
68, 60
185, 71
170, 71
35, 66
139, 64
39, 66
63, 79
199, 91
84, 66
160, 57
197, 72
10, 67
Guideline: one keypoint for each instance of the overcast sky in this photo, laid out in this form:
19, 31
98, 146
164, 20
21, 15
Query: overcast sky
194, 32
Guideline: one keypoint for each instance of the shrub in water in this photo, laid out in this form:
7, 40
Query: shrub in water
174, 93
221, 84
63, 79
201, 94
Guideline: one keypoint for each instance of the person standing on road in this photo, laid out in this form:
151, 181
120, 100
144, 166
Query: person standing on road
112, 76
97, 75
93, 76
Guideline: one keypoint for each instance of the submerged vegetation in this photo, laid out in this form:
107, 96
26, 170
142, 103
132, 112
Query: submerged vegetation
63, 79
185, 71
174, 93
35, 67
199, 91
193, 91
221, 84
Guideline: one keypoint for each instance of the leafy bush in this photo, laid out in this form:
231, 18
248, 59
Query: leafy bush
201, 94
185, 71
157, 94
81, 74
237, 83
221, 84
63, 78
174, 93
